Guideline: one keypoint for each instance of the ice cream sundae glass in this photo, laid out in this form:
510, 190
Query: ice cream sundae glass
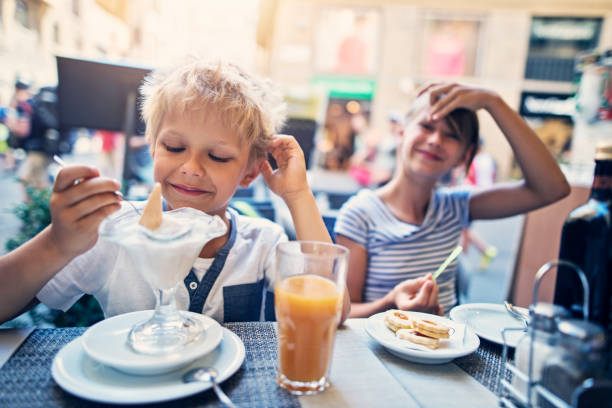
163, 247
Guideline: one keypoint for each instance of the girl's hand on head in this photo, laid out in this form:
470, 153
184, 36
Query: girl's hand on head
290, 176
80, 200
446, 97
419, 295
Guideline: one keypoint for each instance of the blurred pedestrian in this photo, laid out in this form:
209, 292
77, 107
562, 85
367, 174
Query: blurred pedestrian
139, 167
16, 117
481, 173
373, 162
109, 160
28, 134
8, 161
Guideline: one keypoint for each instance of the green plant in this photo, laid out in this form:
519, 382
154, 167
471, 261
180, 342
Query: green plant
35, 216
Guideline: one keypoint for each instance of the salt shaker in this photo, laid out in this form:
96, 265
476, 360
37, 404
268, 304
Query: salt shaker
544, 325
579, 355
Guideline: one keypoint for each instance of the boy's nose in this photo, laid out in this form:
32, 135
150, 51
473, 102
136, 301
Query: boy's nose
192, 167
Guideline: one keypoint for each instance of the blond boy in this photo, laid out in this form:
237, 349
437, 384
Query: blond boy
210, 127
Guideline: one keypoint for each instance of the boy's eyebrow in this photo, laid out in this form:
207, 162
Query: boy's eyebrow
221, 142
170, 132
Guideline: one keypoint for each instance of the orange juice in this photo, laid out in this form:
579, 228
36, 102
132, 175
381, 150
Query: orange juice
307, 311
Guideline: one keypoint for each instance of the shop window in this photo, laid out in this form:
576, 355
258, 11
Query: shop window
550, 116
450, 47
76, 7
346, 125
554, 44
347, 41
21, 13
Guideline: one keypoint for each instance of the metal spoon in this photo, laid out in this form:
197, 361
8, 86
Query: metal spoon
63, 164
208, 374
514, 313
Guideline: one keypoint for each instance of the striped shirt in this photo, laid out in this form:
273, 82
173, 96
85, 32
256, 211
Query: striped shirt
398, 250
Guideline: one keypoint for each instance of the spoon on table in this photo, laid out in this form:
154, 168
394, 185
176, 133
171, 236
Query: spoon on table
516, 314
63, 164
208, 374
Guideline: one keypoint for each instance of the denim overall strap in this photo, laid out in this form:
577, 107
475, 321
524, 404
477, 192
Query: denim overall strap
198, 291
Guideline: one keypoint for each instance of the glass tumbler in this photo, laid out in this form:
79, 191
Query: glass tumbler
308, 296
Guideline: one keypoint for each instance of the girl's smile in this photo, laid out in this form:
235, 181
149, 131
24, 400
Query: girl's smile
429, 155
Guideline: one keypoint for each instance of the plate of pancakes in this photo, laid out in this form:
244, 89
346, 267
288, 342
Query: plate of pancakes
421, 337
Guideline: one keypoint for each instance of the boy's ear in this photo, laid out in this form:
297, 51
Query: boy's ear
252, 172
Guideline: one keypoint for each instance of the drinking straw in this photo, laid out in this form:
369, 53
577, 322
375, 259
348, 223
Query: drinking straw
447, 261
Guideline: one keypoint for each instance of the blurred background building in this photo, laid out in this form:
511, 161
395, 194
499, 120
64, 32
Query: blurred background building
145, 32
378, 52
328, 54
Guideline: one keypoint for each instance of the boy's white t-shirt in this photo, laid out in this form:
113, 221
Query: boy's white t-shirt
107, 273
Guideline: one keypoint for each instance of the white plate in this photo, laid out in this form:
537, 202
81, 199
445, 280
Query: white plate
449, 349
78, 374
106, 342
488, 320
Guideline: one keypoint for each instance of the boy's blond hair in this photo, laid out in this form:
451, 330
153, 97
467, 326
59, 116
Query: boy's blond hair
250, 106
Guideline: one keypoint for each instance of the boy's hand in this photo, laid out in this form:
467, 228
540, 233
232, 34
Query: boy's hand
289, 179
419, 295
444, 98
79, 202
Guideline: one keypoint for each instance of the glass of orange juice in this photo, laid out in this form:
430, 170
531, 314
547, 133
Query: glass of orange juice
310, 282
